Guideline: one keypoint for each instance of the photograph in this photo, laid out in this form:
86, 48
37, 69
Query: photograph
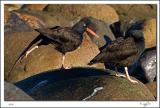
55, 53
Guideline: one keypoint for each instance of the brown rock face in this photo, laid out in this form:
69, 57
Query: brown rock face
135, 11
33, 6
153, 88
150, 33
72, 12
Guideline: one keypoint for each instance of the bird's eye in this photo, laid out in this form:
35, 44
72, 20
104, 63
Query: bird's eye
84, 25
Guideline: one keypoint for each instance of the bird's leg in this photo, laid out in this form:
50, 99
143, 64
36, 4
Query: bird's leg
28, 52
128, 77
63, 59
118, 75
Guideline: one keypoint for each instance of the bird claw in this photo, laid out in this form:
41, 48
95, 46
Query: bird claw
120, 75
133, 81
67, 67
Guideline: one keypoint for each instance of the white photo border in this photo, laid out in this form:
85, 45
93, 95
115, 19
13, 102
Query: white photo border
75, 103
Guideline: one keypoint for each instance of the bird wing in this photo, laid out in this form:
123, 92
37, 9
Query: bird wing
56, 34
121, 49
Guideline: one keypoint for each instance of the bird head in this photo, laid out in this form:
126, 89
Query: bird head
85, 25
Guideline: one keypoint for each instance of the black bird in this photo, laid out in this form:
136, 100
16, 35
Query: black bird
126, 49
65, 39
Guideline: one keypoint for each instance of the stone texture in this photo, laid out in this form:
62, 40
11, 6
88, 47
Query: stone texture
153, 88
13, 93
33, 6
78, 84
74, 11
150, 33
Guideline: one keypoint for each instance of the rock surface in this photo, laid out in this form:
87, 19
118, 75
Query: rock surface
74, 11
33, 6
79, 84
153, 88
12, 93
150, 33
146, 67
135, 11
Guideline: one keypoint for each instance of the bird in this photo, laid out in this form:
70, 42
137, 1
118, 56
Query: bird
65, 39
126, 49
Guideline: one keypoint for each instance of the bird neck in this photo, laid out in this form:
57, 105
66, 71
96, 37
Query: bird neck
79, 30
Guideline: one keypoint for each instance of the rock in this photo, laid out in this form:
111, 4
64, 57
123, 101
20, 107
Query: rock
145, 69
153, 88
33, 19
79, 84
81, 57
135, 12
150, 33
148, 62
7, 9
33, 6
15, 24
74, 11
12, 93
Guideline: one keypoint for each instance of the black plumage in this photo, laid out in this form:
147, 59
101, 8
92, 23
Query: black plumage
126, 49
65, 39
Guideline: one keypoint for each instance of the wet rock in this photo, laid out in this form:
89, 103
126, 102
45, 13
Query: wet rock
74, 11
13, 93
149, 64
152, 87
33, 6
146, 67
150, 33
84, 84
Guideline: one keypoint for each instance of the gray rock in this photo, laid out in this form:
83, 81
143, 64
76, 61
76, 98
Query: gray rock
148, 63
13, 93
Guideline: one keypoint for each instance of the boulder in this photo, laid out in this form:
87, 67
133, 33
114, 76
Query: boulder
73, 12
33, 6
150, 33
13, 93
84, 84
152, 86
135, 11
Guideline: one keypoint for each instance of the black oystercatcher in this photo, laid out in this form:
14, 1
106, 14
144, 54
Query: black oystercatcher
65, 39
125, 50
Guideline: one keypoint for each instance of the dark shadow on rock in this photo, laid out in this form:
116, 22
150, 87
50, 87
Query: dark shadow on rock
58, 75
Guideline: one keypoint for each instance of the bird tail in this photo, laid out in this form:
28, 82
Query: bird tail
138, 25
23, 53
93, 61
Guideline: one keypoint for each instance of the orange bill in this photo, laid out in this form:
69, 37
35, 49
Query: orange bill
92, 32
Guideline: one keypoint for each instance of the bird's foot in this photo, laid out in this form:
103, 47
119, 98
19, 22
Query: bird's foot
120, 75
28, 52
67, 67
133, 81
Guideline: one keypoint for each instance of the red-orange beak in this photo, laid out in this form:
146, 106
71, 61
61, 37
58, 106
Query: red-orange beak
92, 32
